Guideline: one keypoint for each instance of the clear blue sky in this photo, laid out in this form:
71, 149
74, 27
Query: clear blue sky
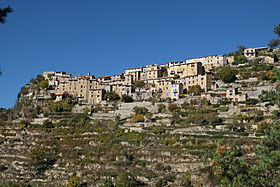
106, 36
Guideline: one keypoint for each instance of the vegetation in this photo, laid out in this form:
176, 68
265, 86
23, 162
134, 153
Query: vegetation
42, 158
164, 72
138, 118
239, 59
4, 13
196, 90
161, 108
227, 74
101, 149
277, 30
240, 50
126, 99
47, 124
272, 96
111, 96
138, 84
44, 84
74, 181
140, 110
229, 168
273, 43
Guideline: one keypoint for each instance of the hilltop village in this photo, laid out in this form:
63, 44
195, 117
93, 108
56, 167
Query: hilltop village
168, 81
185, 123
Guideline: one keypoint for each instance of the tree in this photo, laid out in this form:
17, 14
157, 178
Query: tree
196, 90
47, 124
126, 99
173, 107
277, 30
239, 59
4, 13
164, 72
126, 179
273, 43
271, 96
140, 110
111, 96
74, 181
138, 118
227, 74
240, 50
161, 108
139, 84
44, 84
42, 158
228, 167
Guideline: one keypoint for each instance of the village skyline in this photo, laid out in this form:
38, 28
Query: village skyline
128, 34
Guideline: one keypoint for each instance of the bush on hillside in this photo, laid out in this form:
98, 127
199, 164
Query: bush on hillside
126, 99
227, 74
111, 96
44, 84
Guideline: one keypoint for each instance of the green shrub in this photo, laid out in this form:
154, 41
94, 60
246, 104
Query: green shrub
196, 90
138, 84
47, 124
223, 108
251, 101
239, 59
74, 181
42, 158
126, 179
23, 124
227, 74
44, 84
140, 110
138, 118
149, 116
173, 107
161, 108
261, 127
126, 99
111, 96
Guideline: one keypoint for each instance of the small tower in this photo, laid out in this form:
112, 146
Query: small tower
0, 71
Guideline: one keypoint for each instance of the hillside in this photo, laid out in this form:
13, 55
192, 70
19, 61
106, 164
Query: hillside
151, 142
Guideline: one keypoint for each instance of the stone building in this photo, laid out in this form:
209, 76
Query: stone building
252, 53
210, 62
235, 95
183, 68
152, 71
204, 81
135, 74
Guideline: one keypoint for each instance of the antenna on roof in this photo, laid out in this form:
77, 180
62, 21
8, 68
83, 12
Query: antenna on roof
0, 71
